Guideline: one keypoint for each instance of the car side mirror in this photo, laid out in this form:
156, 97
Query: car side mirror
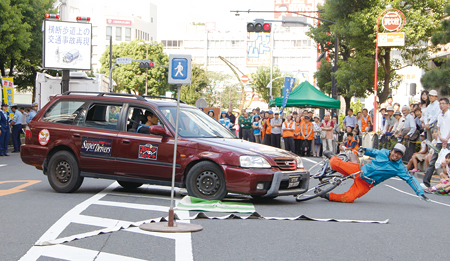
157, 130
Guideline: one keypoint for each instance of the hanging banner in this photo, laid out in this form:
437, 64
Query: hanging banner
288, 84
259, 51
67, 45
8, 92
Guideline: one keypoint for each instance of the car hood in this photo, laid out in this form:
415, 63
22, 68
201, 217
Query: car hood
244, 147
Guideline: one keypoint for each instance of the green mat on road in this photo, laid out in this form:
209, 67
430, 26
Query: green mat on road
196, 204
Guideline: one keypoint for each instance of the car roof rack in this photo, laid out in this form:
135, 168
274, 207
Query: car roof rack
138, 97
161, 97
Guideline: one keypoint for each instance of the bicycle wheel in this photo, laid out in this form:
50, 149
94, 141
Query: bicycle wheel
319, 190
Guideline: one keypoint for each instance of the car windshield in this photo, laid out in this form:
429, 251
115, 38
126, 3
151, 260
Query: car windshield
194, 123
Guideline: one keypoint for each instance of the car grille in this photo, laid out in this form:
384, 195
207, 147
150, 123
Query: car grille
286, 163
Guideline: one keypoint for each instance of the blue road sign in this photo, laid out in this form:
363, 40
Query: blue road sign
180, 69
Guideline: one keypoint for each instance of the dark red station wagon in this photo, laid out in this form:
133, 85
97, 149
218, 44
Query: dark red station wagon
97, 135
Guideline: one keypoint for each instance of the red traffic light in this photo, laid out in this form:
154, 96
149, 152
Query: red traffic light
51, 16
151, 64
266, 27
259, 27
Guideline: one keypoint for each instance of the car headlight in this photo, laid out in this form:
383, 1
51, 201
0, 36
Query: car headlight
299, 162
254, 162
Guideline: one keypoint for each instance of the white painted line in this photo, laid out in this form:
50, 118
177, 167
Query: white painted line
309, 160
132, 205
2, 165
183, 241
72, 253
404, 192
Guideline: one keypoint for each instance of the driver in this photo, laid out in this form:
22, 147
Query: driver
151, 120
386, 164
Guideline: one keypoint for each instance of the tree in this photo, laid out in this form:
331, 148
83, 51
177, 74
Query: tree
261, 79
230, 97
130, 78
216, 81
439, 77
191, 93
355, 29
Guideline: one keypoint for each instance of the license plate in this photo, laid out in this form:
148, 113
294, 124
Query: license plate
294, 181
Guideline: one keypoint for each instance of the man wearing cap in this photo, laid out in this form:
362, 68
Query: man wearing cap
391, 122
33, 112
4, 130
431, 114
443, 126
386, 164
276, 130
350, 120
16, 124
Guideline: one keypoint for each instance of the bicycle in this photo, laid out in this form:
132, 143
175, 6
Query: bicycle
328, 179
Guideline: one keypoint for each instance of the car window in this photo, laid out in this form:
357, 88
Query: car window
63, 112
100, 116
194, 123
137, 119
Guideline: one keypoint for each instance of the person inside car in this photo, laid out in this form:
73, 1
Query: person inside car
151, 120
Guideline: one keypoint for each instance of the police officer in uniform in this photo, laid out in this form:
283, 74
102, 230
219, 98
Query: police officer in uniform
16, 124
4, 130
33, 112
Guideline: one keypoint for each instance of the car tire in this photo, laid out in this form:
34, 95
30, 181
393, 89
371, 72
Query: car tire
63, 172
129, 185
205, 180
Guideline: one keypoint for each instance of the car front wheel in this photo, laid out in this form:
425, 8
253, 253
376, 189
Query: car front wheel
205, 180
64, 173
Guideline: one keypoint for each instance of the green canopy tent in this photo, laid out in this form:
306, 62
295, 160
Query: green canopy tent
306, 95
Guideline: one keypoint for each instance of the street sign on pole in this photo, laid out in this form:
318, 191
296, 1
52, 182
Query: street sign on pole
392, 21
123, 60
180, 70
244, 78
391, 39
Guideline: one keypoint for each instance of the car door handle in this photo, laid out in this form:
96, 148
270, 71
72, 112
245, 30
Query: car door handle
126, 141
76, 135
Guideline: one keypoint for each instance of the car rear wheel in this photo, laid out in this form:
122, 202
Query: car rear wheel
64, 173
205, 180
129, 185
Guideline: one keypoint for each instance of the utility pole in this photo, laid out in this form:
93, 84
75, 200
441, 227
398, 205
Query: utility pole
110, 63
65, 73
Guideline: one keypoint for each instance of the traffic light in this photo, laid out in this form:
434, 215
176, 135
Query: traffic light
146, 64
259, 26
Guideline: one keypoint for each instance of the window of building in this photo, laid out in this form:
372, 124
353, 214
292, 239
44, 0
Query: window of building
136, 34
127, 34
63, 112
108, 32
172, 44
118, 33
152, 19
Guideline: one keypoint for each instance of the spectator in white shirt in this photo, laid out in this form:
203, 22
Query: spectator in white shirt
443, 125
431, 113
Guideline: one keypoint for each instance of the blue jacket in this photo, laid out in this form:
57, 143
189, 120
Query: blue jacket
4, 121
381, 169
225, 122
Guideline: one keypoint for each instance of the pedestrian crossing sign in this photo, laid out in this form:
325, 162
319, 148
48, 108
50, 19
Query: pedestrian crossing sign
180, 70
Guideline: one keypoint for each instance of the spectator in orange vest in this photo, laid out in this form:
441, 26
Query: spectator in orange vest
364, 121
307, 134
288, 128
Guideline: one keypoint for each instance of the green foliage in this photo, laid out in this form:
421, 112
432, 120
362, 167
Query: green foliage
261, 79
130, 78
438, 78
356, 106
191, 93
230, 97
355, 28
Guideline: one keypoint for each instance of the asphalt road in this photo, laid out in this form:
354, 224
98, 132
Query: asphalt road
34, 213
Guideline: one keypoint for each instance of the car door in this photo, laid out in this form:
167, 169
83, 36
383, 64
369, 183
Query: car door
144, 155
94, 134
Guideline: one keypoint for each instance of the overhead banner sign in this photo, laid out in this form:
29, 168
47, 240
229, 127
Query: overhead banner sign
391, 39
259, 51
67, 45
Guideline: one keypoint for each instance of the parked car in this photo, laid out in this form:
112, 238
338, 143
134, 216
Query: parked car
98, 135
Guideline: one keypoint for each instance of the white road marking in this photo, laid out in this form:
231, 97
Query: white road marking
404, 192
183, 242
309, 160
72, 253
2, 165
